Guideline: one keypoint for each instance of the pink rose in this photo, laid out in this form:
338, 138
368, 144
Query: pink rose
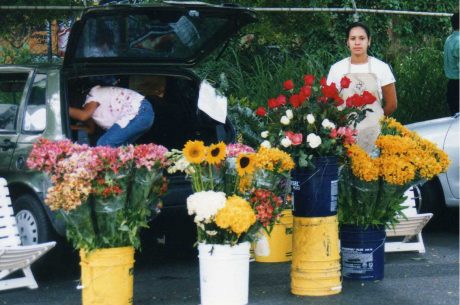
296, 138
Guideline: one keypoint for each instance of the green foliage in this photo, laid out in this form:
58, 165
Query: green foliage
14, 24
369, 204
258, 75
246, 123
421, 86
15, 55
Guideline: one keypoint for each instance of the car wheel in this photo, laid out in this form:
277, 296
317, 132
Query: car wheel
33, 224
432, 201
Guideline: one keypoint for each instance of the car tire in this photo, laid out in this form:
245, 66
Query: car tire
35, 227
432, 201
32, 221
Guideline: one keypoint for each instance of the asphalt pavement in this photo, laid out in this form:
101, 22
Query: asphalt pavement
170, 277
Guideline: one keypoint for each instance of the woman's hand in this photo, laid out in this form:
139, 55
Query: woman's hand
390, 99
89, 126
85, 113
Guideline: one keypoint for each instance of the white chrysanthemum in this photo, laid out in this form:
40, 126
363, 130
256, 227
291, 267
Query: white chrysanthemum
313, 140
204, 205
285, 142
289, 114
310, 118
266, 144
327, 124
285, 120
264, 134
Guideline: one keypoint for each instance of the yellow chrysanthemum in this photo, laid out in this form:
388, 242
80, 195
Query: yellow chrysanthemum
391, 145
216, 153
194, 151
391, 126
424, 157
274, 159
245, 164
362, 165
395, 170
237, 215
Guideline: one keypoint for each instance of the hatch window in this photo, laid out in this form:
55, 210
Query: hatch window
169, 35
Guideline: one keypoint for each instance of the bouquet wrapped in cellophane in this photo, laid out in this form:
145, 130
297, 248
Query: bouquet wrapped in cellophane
372, 187
104, 194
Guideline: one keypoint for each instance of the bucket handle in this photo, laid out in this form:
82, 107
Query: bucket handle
310, 177
324, 167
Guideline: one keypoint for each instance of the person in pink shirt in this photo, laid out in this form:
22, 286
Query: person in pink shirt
124, 114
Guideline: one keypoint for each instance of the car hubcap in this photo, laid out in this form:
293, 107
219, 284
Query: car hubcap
27, 227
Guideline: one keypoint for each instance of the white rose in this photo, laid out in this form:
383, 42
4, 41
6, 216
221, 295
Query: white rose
328, 124
289, 114
285, 120
285, 142
313, 140
264, 134
310, 118
266, 144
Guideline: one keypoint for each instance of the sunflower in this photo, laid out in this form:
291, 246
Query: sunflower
194, 151
216, 153
245, 164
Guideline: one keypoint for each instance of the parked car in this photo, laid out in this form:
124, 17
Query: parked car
152, 43
442, 192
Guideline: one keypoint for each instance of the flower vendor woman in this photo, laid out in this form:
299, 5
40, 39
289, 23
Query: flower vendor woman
123, 113
364, 72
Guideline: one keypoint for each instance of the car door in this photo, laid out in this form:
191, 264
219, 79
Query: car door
14, 87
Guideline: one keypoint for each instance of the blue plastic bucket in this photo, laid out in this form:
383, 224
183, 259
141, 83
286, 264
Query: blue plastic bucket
315, 191
362, 252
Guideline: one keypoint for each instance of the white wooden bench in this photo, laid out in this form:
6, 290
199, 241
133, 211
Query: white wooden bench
409, 229
14, 256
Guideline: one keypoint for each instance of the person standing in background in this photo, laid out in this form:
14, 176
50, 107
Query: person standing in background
366, 73
451, 52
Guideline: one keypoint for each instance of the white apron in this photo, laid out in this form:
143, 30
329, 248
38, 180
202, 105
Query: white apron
369, 128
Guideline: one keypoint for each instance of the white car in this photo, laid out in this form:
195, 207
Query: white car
442, 192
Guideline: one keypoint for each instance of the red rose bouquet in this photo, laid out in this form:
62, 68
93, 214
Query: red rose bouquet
311, 120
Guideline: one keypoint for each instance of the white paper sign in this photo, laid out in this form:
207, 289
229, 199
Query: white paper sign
212, 103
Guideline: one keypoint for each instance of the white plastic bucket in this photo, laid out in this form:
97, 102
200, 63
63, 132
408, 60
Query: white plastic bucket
224, 274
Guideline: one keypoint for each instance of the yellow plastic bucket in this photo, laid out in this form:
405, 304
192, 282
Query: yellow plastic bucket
276, 247
107, 276
315, 283
315, 269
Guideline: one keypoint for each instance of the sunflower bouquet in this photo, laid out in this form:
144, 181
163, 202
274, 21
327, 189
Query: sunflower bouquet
223, 181
372, 188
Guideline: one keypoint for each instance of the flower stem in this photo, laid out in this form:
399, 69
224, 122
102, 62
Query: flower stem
210, 176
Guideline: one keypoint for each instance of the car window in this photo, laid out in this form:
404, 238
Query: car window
175, 35
11, 90
35, 113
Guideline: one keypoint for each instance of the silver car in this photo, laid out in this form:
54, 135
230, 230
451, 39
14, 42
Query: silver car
442, 192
